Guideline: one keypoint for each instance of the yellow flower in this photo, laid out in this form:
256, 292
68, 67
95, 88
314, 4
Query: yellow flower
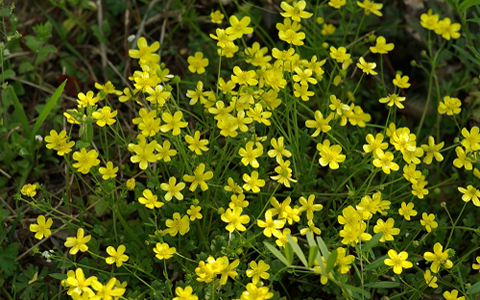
252, 182
471, 140
144, 49
258, 271
173, 123
339, 55
292, 37
429, 222
374, 143
407, 210
224, 40
196, 144
185, 294
432, 150
104, 116
398, 261
78, 243
143, 153
462, 159
243, 77
470, 193
371, 7
173, 189
42, 228
216, 17
330, 155
453, 295
197, 64
385, 161
77, 283
477, 265
85, 160
278, 149
150, 200
438, 258
116, 256
401, 82
328, 29
430, 280
108, 291
381, 46
387, 228
86, 100
163, 251
429, 20
233, 186
177, 225
366, 67
337, 3
295, 12
393, 99
109, 171
199, 178
29, 190
164, 151
448, 30
239, 28
249, 155
320, 124
309, 207
271, 226
58, 142
450, 106
194, 212
284, 173
234, 219
130, 184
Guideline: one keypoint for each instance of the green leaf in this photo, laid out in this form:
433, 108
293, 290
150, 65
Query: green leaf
276, 253
451, 3
375, 264
373, 241
20, 112
312, 253
474, 20
467, 55
332, 259
58, 276
8, 73
46, 110
474, 289
43, 52
288, 253
323, 248
297, 250
383, 285
7, 259
355, 289
43, 31
466, 4
86, 132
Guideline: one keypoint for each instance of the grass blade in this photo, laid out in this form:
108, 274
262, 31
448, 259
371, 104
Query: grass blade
297, 250
47, 109
277, 253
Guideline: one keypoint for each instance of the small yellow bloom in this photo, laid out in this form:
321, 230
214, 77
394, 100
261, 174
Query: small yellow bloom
116, 256
401, 82
163, 251
78, 243
109, 171
216, 17
197, 63
42, 228
398, 261
29, 190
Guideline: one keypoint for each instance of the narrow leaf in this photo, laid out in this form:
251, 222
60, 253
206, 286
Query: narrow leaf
323, 248
312, 253
373, 241
474, 289
47, 109
375, 264
276, 253
357, 290
288, 253
297, 250
383, 285
332, 259
20, 112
